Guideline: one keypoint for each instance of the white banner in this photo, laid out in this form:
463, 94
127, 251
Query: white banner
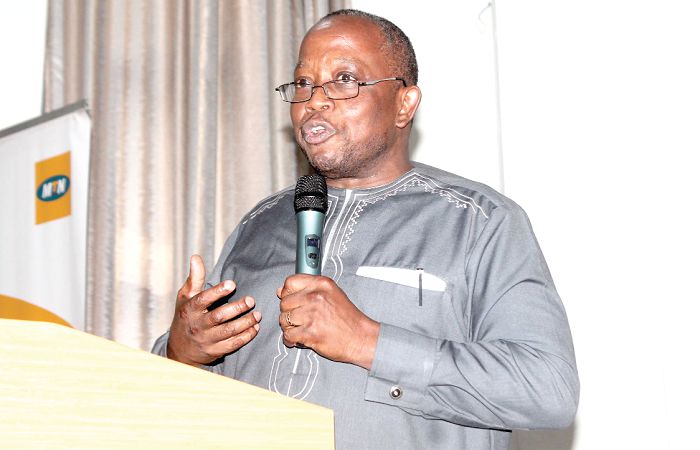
44, 166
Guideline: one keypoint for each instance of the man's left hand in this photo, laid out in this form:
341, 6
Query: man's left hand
316, 313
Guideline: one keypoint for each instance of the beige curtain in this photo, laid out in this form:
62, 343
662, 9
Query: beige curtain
188, 134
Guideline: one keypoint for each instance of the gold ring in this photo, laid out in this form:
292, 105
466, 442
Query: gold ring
288, 317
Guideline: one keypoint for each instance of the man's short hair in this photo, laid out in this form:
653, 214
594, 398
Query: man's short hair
397, 46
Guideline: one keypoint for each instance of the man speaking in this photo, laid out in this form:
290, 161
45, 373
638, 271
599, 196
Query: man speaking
434, 322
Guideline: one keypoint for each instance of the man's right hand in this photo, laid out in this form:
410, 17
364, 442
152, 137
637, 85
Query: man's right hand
199, 336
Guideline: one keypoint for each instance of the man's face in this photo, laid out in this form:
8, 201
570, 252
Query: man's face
353, 138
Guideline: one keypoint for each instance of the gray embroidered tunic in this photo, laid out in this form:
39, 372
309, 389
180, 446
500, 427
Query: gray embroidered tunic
474, 339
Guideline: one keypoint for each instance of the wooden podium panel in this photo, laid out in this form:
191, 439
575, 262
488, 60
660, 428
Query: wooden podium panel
62, 388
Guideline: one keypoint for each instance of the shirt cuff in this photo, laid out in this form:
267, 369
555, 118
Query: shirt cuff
160, 347
401, 369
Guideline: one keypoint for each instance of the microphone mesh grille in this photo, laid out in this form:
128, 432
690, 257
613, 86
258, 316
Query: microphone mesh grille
311, 194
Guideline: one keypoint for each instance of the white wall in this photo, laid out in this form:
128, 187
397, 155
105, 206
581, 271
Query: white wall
601, 125
22, 40
457, 81
601, 120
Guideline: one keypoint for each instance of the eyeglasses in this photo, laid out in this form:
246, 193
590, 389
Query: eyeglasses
298, 92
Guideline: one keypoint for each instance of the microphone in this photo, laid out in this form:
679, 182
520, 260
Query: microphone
310, 206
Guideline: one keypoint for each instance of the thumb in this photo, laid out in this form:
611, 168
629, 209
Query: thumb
195, 280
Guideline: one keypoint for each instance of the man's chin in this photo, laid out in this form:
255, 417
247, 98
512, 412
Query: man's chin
322, 162
325, 168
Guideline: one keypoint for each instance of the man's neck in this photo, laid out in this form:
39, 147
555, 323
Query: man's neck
372, 179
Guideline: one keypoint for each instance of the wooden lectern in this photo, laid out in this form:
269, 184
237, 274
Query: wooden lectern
62, 388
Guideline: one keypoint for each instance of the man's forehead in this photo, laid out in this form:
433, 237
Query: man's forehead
344, 40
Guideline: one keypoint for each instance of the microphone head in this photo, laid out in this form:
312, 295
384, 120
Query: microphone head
311, 194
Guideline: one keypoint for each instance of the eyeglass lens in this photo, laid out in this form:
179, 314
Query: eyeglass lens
336, 90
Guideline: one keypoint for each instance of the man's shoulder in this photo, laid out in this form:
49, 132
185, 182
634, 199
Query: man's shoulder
486, 197
279, 199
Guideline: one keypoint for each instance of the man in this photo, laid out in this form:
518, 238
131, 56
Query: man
435, 324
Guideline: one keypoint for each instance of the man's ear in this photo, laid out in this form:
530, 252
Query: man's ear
410, 99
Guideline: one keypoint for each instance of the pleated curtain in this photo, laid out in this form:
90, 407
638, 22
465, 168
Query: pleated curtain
188, 134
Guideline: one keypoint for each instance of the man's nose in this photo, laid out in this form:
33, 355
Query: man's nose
318, 100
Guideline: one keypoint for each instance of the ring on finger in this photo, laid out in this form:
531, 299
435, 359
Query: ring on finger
288, 318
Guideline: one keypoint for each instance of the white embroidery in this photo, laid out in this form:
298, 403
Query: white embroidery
413, 180
288, 375
267, 205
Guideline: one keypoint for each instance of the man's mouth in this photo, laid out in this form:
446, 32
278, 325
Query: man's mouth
316, 132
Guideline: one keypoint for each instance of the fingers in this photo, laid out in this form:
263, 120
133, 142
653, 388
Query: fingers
296, 283
236, 327
205, 298
192, 289
234, 334
292, 332
237, 340
297, 336
229, 311
214, 334
195, 280
229, 320
286, 319
300, 289
297, 297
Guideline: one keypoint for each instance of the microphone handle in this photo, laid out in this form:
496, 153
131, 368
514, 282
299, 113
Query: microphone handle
309, 235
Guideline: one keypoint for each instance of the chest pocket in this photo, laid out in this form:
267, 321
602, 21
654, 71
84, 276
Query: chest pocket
408, 298
416, 278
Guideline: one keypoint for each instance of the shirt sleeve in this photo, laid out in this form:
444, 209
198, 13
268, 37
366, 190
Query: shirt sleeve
517, 369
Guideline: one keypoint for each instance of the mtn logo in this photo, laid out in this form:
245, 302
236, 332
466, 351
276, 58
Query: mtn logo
52, 187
